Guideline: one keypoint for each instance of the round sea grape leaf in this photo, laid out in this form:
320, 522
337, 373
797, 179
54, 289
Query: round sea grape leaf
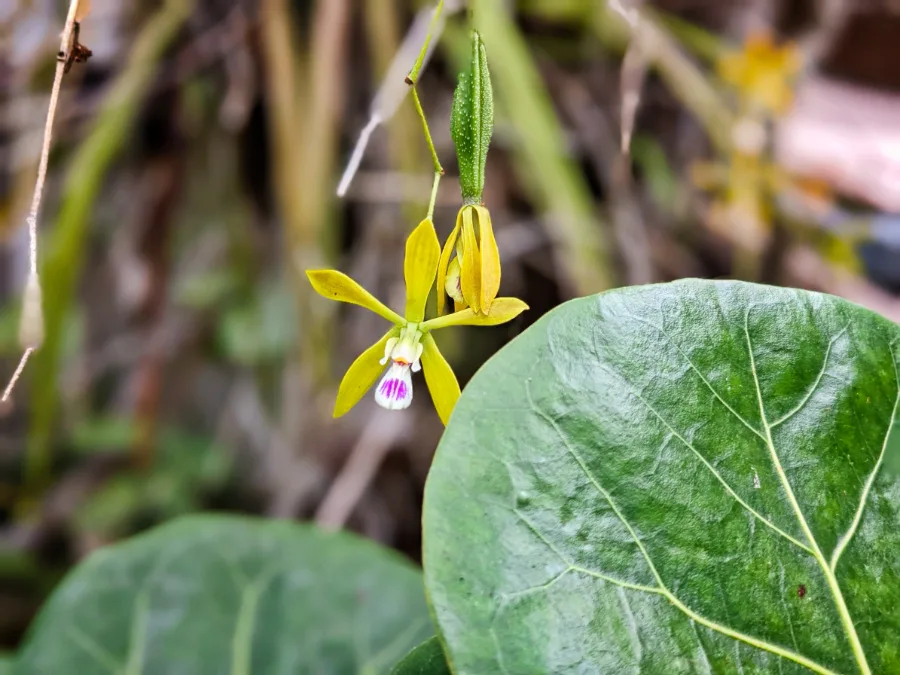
682, 478
425, 659
212, 595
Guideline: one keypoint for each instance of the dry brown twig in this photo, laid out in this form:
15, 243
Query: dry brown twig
634, 68
381, 433
31, 323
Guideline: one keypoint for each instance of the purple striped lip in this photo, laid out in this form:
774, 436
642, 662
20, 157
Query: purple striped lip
393, 388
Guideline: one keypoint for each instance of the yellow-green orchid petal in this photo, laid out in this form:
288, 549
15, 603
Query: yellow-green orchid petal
490, 259
338, 286
444, 263
439, 377
452, 287
471, 262
502, 310
362, 374
423, 253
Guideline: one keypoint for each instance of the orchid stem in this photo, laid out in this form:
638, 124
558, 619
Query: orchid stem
413, 76
434, 192
434, 157
411, 80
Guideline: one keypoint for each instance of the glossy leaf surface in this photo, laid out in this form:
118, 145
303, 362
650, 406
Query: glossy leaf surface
674, 479
211, 595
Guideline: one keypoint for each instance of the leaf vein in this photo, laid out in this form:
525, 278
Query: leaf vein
708, 384
242, 639
97, 651
713, 469
572, 567
864, 496
833, 585
138, 641
737, 635
797, 408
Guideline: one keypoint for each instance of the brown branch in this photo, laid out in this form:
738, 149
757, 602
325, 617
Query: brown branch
31, 325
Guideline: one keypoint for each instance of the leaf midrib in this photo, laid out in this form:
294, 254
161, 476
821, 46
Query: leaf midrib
828, 569
831, 579
663, 589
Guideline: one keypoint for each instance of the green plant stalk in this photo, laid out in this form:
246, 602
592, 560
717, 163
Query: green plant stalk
62, 263
438, 169
561, 190
414, 73
412, 79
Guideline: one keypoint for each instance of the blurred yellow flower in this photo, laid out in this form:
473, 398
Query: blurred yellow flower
762, 72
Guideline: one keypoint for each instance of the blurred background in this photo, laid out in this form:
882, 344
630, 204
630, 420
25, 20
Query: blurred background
188, 365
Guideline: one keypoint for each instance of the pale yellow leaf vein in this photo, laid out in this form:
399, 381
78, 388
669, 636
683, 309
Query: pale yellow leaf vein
864, 497
843, 612
712, 625
713, 470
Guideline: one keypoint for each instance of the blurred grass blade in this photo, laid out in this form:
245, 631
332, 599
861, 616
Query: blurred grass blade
634, 71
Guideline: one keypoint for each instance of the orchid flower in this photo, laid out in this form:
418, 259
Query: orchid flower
409, 345
472, 278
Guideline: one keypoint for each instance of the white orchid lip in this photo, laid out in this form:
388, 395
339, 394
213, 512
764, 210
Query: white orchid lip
395, 391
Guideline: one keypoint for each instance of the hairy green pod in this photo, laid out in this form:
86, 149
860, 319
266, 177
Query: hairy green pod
472, 122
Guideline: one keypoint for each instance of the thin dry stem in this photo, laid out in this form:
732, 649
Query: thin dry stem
31, 314
64, 46
16, 375
380, 434
634, 69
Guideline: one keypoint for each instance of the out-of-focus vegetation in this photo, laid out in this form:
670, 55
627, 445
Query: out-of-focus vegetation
189, 366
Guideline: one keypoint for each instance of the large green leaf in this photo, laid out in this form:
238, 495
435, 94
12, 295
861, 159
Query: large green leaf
674, 479
425, 659
226, 595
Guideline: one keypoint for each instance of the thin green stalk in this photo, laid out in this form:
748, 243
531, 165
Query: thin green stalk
382, 20
411, 79
413, 76
438, 169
